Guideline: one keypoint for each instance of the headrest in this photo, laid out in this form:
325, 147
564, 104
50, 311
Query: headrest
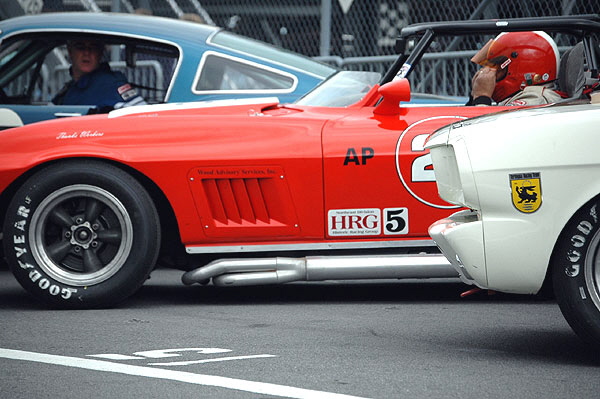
571, 78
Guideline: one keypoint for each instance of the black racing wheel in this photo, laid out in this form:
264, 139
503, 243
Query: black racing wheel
576, 272
81, 234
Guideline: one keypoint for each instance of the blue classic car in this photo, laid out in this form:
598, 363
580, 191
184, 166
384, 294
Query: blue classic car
167, 60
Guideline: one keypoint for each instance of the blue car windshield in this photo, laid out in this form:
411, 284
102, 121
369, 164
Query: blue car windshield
342, 89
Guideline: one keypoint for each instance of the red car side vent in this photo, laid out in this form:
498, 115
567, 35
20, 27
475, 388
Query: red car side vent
244, 201
237, 200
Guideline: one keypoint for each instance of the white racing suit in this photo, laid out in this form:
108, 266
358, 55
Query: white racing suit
532, 95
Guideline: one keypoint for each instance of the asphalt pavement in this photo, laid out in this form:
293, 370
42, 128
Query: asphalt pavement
387, 339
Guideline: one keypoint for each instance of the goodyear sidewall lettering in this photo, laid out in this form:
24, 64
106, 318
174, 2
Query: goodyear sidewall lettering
577, 237
17, 249
572, 261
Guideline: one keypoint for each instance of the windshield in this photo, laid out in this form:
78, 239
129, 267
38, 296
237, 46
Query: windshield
342, 89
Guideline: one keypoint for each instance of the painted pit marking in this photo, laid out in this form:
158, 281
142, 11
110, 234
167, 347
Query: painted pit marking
219, 359
160, 353
166, 374
163, 353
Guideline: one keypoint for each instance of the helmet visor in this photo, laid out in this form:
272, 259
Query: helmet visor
481, 58
499, 63
482, 54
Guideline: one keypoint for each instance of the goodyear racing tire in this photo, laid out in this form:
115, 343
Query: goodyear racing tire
81, 234
576, 272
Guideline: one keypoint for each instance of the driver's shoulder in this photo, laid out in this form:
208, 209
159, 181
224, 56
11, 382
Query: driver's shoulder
532, 95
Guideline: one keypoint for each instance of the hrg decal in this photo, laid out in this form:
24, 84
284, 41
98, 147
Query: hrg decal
413, 161
367, 222
354, 222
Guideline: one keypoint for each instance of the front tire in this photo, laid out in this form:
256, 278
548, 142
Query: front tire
81, 234
576, 273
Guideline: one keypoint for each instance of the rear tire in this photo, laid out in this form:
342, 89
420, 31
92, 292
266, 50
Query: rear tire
576, 273
81, 234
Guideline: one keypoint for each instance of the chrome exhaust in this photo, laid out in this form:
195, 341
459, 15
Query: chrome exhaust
279, 270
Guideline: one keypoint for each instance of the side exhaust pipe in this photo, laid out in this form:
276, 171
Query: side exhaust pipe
279, 270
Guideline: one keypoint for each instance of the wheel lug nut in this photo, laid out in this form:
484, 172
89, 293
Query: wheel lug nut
94, 244
77, 248
79, 220
68, 234
95, 226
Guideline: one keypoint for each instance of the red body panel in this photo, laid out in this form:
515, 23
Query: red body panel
260, 174
376, 165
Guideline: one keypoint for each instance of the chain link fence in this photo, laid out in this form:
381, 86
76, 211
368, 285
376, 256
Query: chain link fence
352, 34
342, 28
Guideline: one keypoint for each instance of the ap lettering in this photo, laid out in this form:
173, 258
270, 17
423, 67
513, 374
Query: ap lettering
353, 158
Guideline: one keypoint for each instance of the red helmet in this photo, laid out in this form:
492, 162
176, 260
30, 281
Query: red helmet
529, 58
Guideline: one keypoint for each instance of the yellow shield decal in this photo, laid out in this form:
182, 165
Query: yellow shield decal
526, 191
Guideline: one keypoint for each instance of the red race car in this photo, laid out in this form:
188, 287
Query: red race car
335, 186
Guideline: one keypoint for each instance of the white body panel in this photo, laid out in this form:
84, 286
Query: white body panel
561, 143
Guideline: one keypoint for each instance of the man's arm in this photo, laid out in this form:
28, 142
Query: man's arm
482, 87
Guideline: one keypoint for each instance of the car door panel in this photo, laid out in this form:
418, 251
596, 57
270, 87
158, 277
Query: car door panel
379, 179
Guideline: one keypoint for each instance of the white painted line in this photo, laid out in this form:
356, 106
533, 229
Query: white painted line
218, 359
115, 356
165, 374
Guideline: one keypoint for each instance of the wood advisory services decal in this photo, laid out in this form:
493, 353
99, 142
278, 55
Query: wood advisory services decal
526, 191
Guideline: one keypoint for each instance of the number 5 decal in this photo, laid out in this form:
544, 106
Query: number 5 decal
395, 221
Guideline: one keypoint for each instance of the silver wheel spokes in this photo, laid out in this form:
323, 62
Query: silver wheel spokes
592, 269
81, 235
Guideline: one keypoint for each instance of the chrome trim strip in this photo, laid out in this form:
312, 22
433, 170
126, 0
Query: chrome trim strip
194, 249
66, 114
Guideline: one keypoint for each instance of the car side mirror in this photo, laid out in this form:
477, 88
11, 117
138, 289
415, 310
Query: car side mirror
393, 92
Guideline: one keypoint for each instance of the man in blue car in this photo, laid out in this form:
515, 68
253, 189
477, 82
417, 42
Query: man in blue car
93, 82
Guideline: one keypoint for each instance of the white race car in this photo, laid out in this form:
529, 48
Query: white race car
531, 182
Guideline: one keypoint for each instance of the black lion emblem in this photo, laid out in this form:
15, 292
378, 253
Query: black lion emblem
525, 195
